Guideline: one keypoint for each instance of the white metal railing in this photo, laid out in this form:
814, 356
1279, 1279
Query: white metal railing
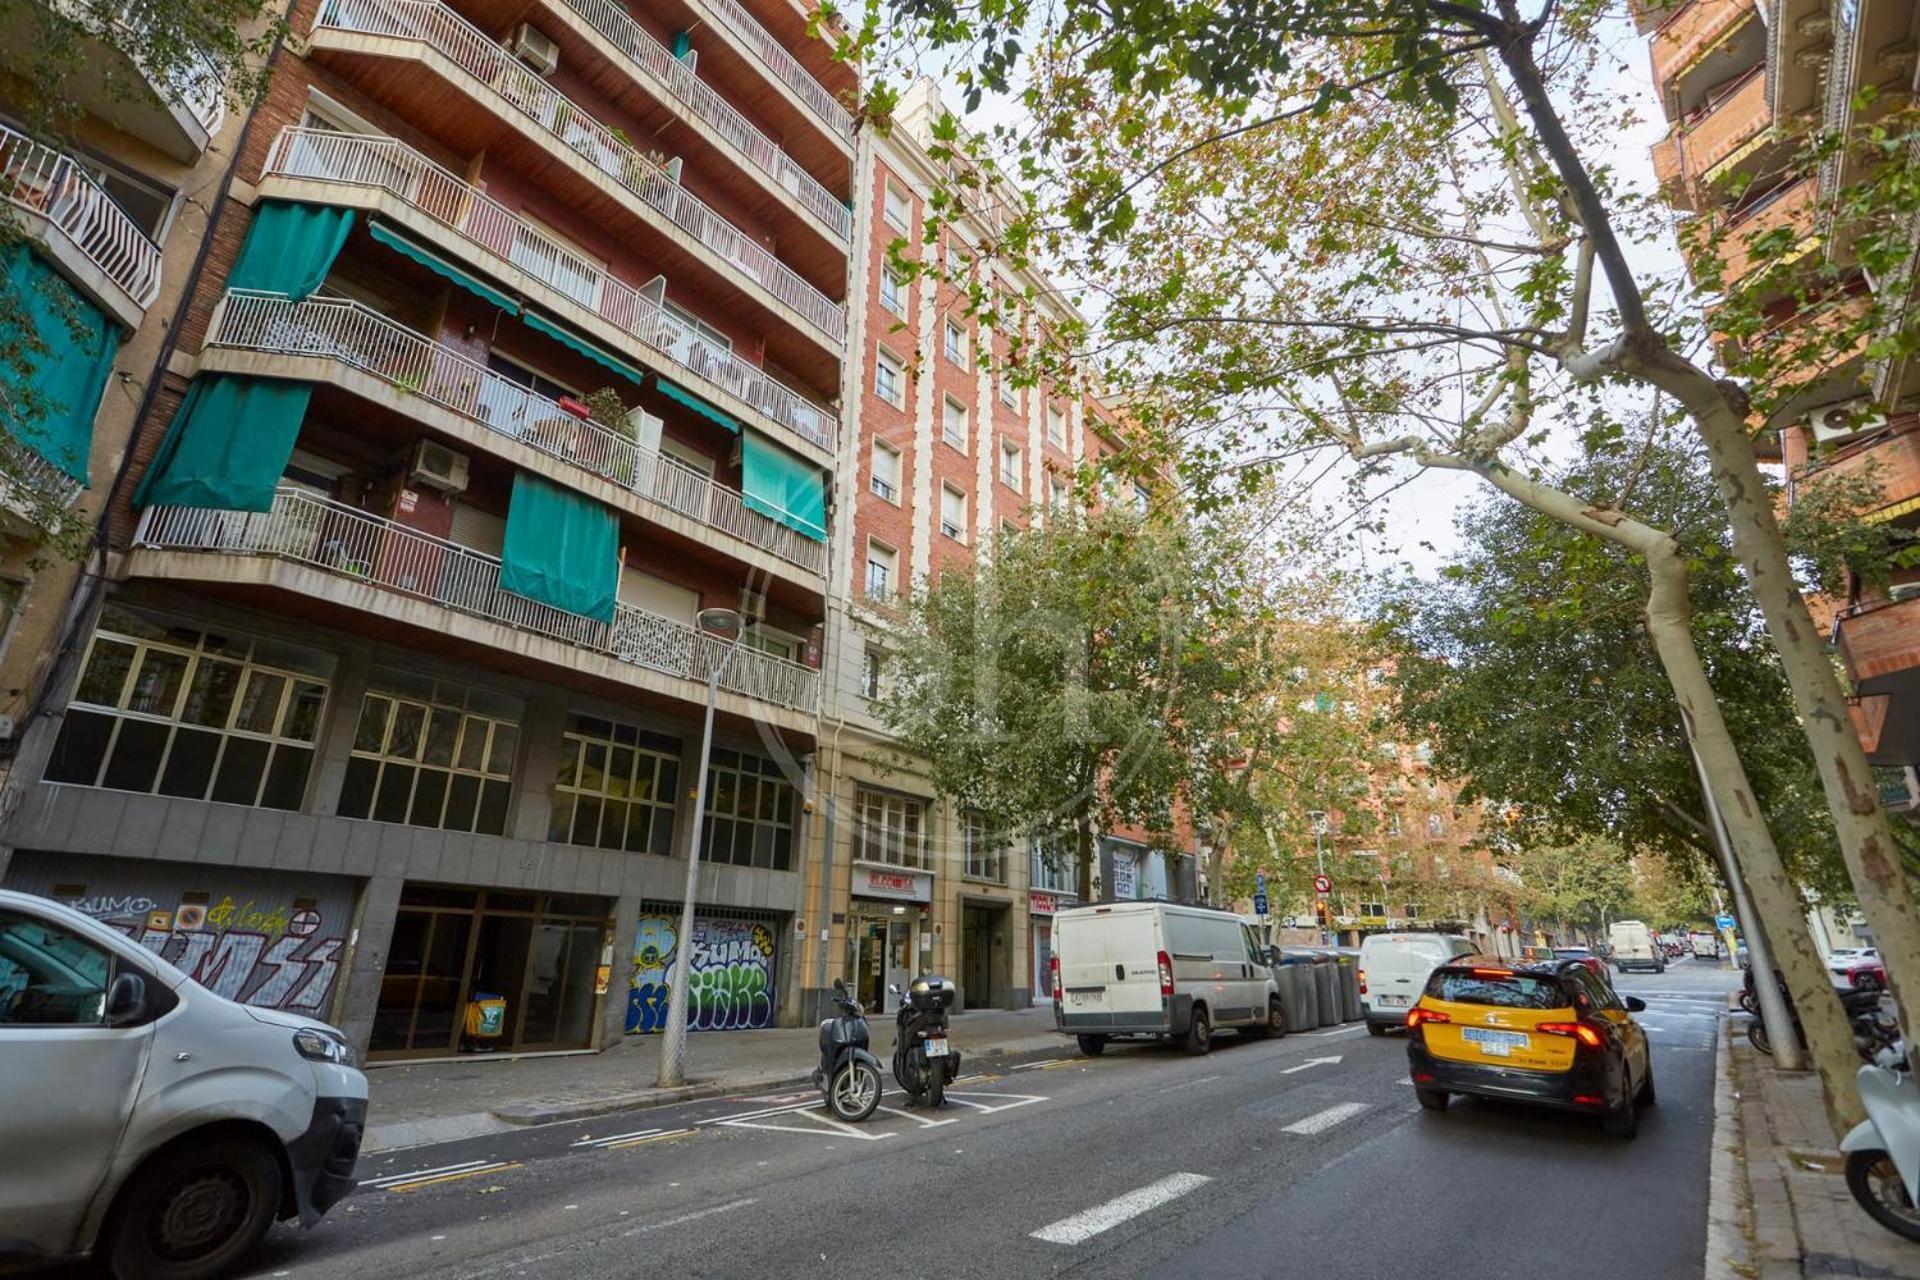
446, 32
43, 182
195, 82
350, 543
356, 335
614, 23
33, 487
391, 166
784, 65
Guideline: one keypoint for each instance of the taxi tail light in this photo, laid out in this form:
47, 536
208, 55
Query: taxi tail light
1589, 1100
1165, 963
1585, 1034
1418, 1017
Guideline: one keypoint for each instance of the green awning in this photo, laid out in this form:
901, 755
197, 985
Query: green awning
698, 405
561, 548
290, 247
53, 394
585, 348
784, 487
228, 444
441, 267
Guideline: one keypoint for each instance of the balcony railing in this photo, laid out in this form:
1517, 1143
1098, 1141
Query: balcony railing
464, 44
660, 66
352, 544
336, 329
196, 85
387, 165
784, 65
42, 182
33, 489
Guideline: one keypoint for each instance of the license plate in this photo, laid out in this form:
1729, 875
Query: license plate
1394, 1000
1498, 1044
936, 1048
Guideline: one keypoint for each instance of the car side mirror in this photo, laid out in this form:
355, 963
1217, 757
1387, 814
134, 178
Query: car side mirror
1273, 955
126, 1000
1636, 1005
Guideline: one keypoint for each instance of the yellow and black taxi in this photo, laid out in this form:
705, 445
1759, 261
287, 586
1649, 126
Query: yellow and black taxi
1549, 1032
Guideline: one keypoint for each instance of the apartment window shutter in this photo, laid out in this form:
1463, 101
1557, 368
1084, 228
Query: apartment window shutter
228, 445
561, 548
290, 247
783, 487
68, 377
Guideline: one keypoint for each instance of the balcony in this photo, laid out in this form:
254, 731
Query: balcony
1880, 643
774, 58
1791, 206
1730, 130
1670, 173
352, 33
353, 340
87, 235
1701, 44
35, 495
346, 558
1892, 460
380, 173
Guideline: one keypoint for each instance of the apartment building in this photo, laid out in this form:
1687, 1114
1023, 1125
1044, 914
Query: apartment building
500, 422
1740, 82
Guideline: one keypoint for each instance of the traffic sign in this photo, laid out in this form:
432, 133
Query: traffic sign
1259, 882
1322, 884
1260, 902
1724, 922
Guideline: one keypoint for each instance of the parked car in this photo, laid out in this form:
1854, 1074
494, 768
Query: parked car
1162, 970
1705, 944
1635, 946
1858, 968
1551, 1034
1394, 969
168, 1127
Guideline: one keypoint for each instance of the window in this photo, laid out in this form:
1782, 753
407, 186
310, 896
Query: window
750, 807
892, 294
1423, 752
1010, 465
953, 424
1142, 498
1009, 394
615, 787
694, 329
953, 513
886, 472
1056, 427
880, 565
1436, 826
889, 377
1510, 991
956, 343
1053, 866
50, 977
1376, 909
1056, 491
1393, 824
432, 754
181, 712
984, 860
899, 208
873, 672
1413, 911
887, 828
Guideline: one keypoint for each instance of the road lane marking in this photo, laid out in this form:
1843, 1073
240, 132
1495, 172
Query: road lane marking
685, 1218
1045, 1062
384, 1179
612, 1138
1018, 1100
1321, 1121
648, 1137
418, 1183
1089, 1223
834, 1128
1311, 1062
922, 1121
1337, 1031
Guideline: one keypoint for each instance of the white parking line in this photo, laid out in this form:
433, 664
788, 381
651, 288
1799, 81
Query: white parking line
1089, 1223
1321, 1121
421, 1173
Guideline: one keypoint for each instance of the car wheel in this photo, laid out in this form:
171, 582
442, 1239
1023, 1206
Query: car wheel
1876, 1185
1199, 1034
1274, 1024
193, 1211
1431, 1099
1376, 1028
1623, 1120
1092, 1046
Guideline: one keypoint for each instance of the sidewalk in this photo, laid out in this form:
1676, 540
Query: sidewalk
1794, 1210
412, 1104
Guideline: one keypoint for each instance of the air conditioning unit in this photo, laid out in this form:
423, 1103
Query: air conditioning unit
438, 467
535, 48
753, 605
1844, 421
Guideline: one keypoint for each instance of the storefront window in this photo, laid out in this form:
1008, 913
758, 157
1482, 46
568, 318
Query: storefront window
615, 787
750, 807
182, 712
432, 755
888, 828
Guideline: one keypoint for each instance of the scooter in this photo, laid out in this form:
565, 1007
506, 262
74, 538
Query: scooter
923, 1058
848, 1075
1883, 1151
1872, 1029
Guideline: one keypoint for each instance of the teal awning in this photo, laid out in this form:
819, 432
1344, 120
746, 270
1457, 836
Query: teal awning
585, 348
441, 267
228, 444
561, 548
698, 405
784, 487
53, 394
290, 247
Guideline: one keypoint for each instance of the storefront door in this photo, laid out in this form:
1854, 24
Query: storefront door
1042, 930
976, 948
880, 956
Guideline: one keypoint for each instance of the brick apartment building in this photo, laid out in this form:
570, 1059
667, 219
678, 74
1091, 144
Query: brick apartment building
1739, 81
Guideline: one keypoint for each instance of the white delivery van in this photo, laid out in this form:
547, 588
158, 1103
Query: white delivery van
1706, 944
1160, 969
147, 1121
1394, 968
1634, 947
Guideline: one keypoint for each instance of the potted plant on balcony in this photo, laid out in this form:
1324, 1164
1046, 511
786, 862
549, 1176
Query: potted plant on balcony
607, 410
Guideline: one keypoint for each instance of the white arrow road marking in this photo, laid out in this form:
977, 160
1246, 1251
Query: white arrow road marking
1311, 1062
1321, 1121
1089, 1223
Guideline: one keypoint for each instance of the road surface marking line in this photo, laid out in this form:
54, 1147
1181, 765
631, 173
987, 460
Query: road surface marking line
761, 1114
1321, 1121
1311, 1062
453, 1177
420, 1173
922, 1121
1044, 1062
685, 1218
1337, 1031
650, 1137
1020, 1100
612, 1138
1088, 1223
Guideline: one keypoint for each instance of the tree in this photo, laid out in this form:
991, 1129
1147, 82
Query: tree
1671, 889
1582, 885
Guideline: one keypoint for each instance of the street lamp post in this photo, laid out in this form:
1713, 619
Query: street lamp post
673, 1044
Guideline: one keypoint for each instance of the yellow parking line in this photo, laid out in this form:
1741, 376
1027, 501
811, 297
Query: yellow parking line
652, 1137
452, 1177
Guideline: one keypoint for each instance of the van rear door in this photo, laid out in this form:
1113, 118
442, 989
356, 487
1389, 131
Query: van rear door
1109, 975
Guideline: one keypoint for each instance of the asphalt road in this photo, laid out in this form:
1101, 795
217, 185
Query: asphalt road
1305, 1156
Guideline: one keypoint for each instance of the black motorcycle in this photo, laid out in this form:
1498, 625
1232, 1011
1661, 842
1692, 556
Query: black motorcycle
1873, 1030
924, 1059
848, 1075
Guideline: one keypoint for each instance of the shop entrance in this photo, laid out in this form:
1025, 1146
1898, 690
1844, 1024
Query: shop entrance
1042, 929
881, 954
474, 970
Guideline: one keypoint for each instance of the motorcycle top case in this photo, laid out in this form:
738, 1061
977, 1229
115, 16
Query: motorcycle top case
932, 992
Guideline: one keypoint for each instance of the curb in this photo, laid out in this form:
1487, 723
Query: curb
1727, 1256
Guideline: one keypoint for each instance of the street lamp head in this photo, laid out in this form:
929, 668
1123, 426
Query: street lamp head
726, 621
